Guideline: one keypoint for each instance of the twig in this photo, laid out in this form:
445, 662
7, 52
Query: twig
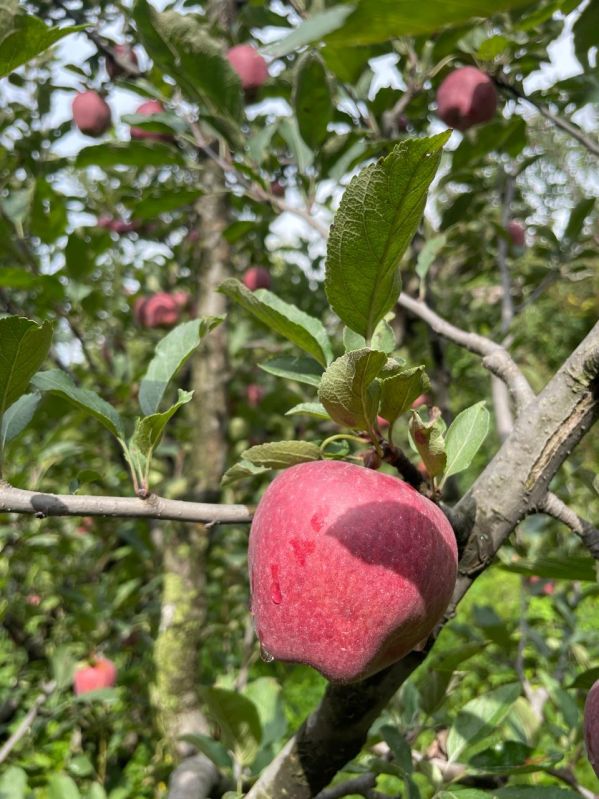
27, 720
495, 357
567, 777
588, 534
17, 500
361, 785
507, 303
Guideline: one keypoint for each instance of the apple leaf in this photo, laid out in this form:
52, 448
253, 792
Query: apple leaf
149, 430
13, 783
348, 389
429, 253
314, 409
171, 353
24, 346
214, 750
303, 330
465, 437
378, 215
399, 391
61, 786
311, 30
302, 370
23, 37
429, 441
56, 382
281, 454
237, 719
240, 471
131, 153
312, 99
17, 417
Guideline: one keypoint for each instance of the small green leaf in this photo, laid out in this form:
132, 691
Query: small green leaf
60, 786
311, 30
27, 38
428, 439
132, 153
240, 471
428, 254
17, 417
399, 391
312, 99
399, 746
56, 382
298, 327
24, 346
348, 389
149, 430
465, 437
237, 719
352, 341
265, 693
302, 370
383, 338
13, 783
378, 215
512, 757
309, 409
281, 454
171, 353
479, 718
213, 750
577, 218
302, 154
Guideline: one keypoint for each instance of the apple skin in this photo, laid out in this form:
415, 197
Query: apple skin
517, 233
257, 277
149, 108
465, 98
126, 53
91, 114
101, 674
350, 569
249, 65
591, 726
161, 309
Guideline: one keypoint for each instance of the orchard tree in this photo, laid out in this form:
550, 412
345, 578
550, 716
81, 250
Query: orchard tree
251, 280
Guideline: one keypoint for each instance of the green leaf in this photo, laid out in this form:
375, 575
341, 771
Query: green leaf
56, 382
132, 153
586, 679
309, 409
171, 353
265, 693
13, 783
60, 786
480, 718
352, 341
302, 154
512, 757
383, 338
17, 417
556, 567
238, 721
399, 746
465, 437
24, 37
96, 791
428, 254
240, 471
298, 327
181, 46
213, 750
311, 30
534, 792
24, 346
312, 99
429, 441
578, 215
399, 391
378, 215
302, 370
149, 430
166, 201
382, 20
585, 32
348, 389
281, 454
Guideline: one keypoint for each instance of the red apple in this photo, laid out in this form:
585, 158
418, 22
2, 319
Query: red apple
517, 233
91, 114
257, 277
465, 98
591, 726
277, 189
350, 569
150, 108
127, 54
105, 222
33, 599
254, 394
249, 65
100, 674
161, 309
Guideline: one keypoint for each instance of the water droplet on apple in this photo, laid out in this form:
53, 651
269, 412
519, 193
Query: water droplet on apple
265, 655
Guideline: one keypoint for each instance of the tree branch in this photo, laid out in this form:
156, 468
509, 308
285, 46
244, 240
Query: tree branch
17, 500
27, 721
588, 534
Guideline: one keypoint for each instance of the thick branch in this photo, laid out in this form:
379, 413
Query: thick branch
17, 500
588, 534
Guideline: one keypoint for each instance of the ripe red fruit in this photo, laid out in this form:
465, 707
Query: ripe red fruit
127, 54
350, 568
277, 189
465, 98
257, 277
591, 726
91, 114
254, 394
517, 233
161, 309
249, 65
101, 674
150, 108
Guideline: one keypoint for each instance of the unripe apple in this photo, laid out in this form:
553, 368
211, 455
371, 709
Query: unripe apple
465, 98
350, 569
150, 108
517, 233
91, 114
591, 726
257, 277
249, 65
100, 674
127, 54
